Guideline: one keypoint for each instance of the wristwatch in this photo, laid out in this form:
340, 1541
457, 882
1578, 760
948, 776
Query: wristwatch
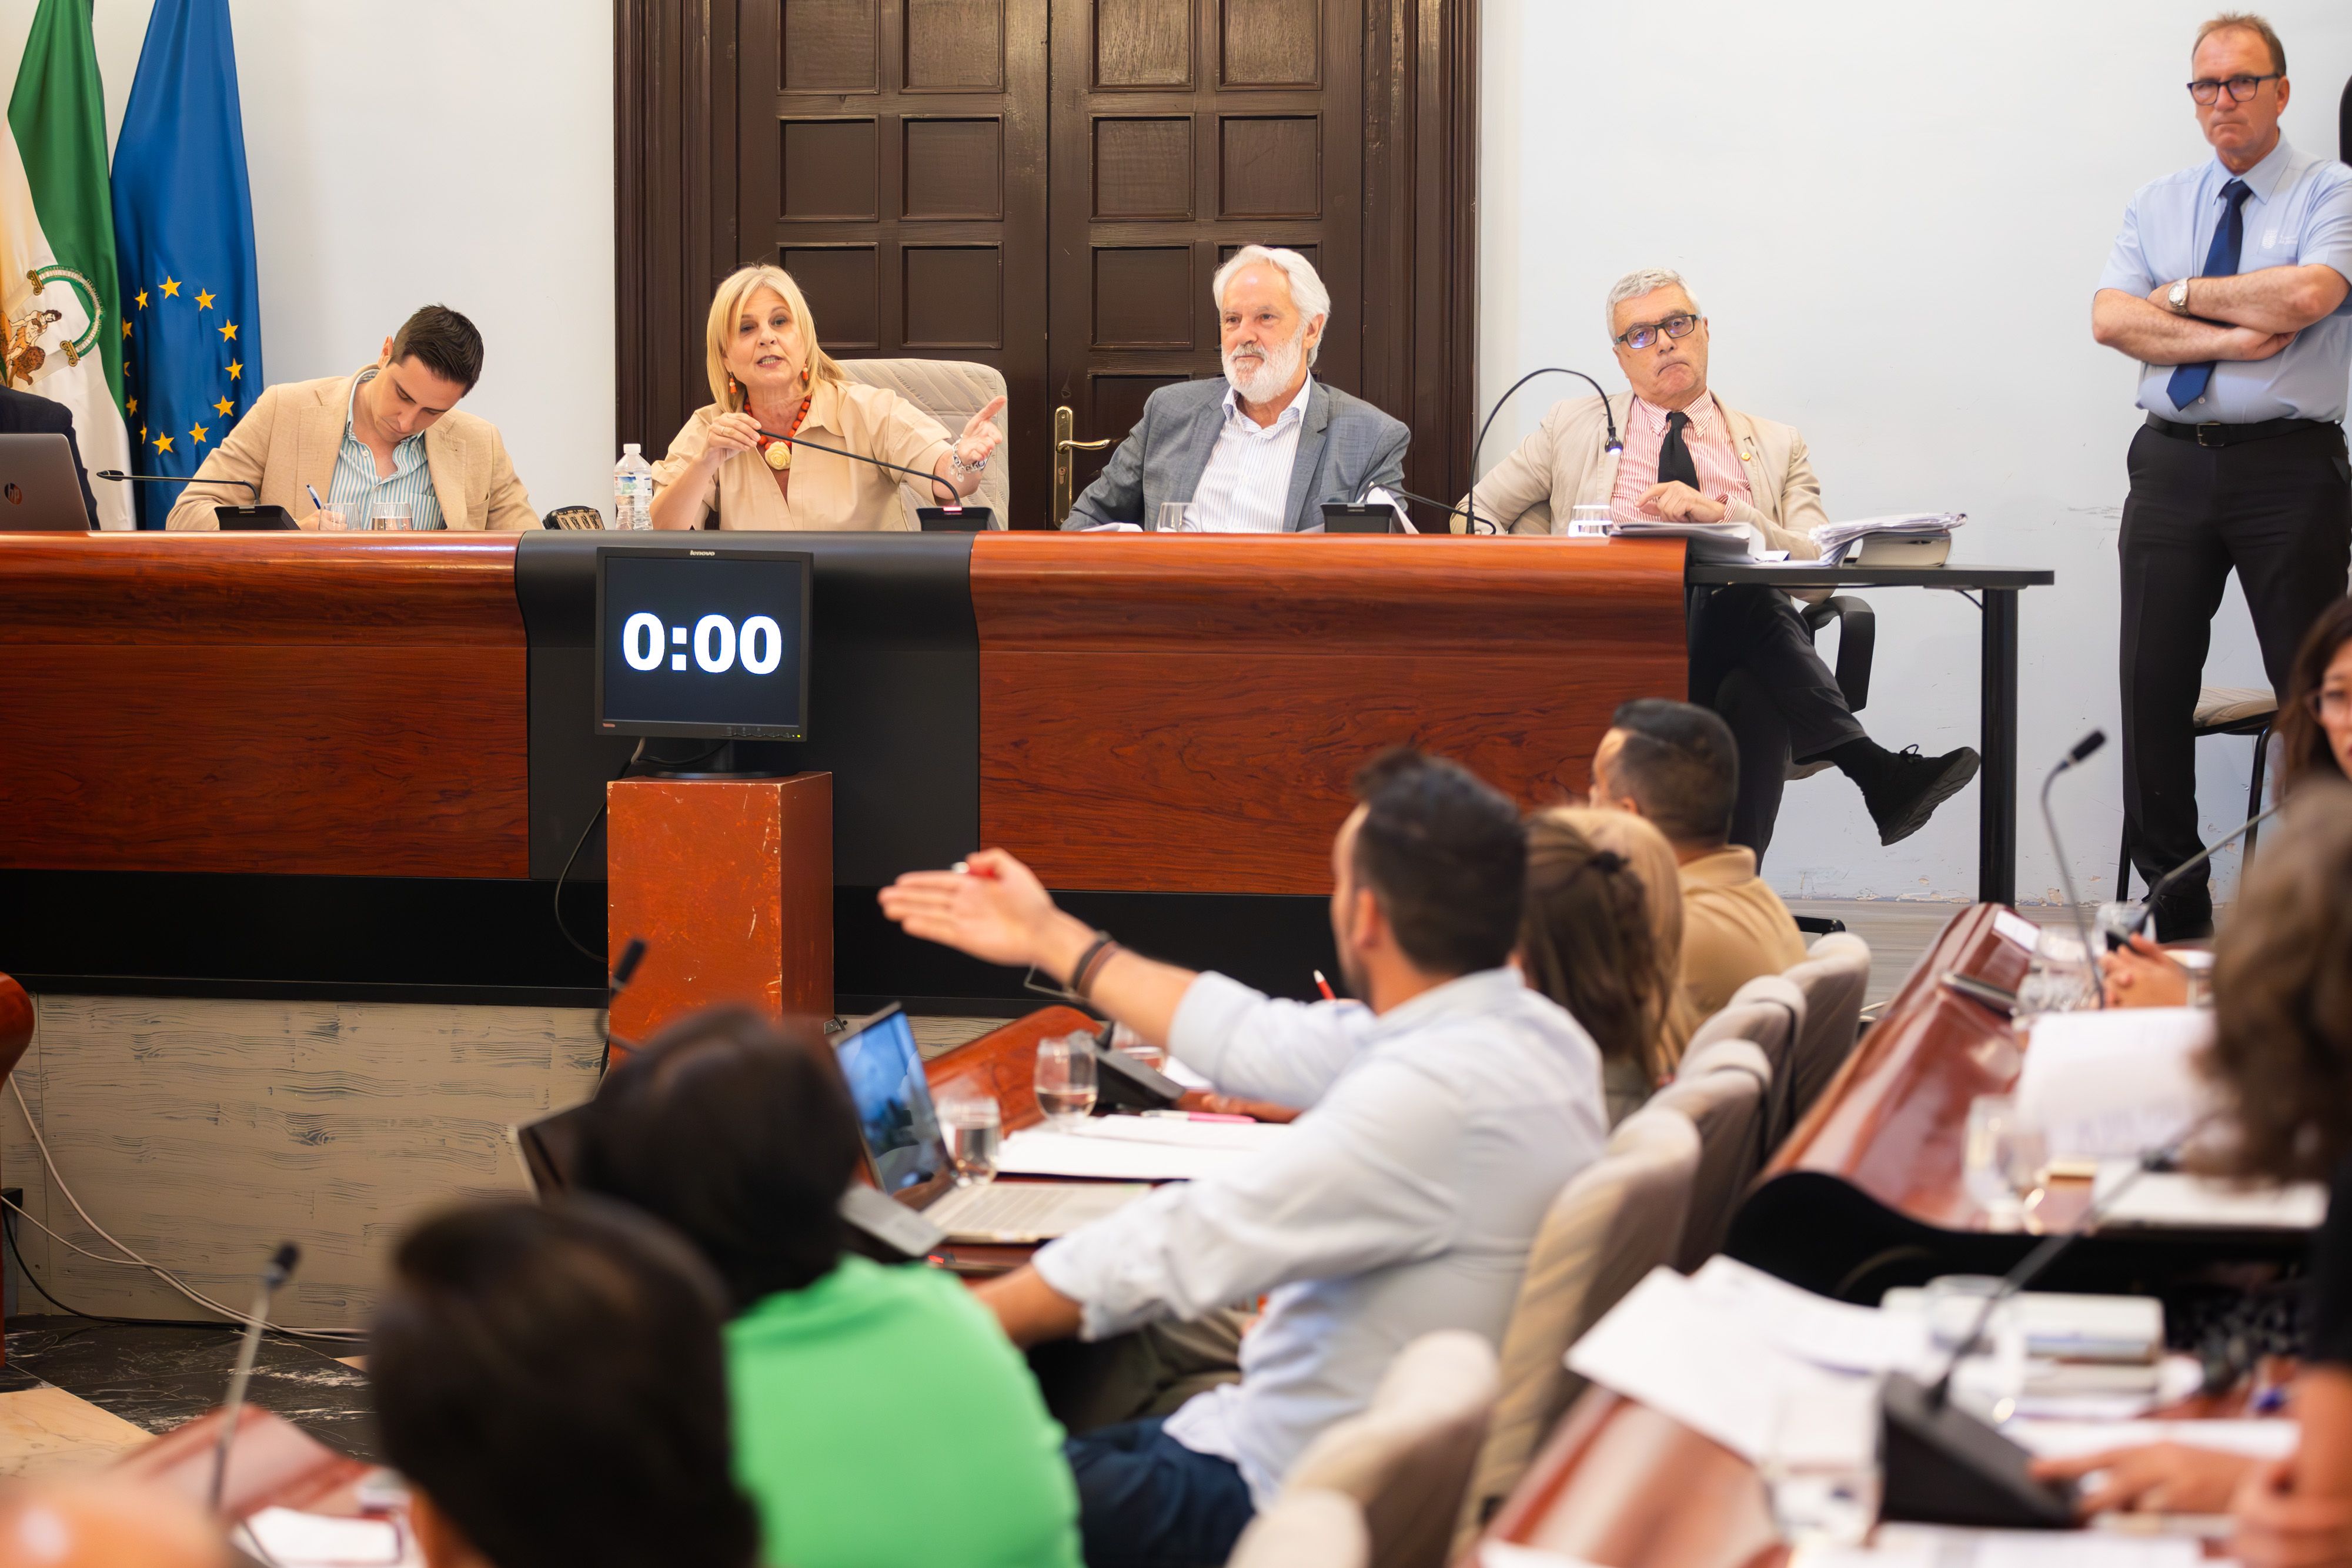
2177, 296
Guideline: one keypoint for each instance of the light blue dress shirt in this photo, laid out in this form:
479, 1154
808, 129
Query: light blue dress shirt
2299, 215
356, 486
1404, 1200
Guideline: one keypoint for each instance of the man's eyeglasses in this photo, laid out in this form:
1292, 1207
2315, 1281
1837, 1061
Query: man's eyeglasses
1641, 334
2206, 89
2331, 706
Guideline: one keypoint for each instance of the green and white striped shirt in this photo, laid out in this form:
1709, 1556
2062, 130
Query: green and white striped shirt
356, 487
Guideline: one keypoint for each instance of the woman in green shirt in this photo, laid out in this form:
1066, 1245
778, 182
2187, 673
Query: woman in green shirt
882, 1419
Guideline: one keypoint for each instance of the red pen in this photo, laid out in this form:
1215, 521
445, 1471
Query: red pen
965, 868
1323, 985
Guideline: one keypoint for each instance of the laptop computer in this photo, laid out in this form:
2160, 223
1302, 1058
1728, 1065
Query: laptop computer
906, 1151
39, 491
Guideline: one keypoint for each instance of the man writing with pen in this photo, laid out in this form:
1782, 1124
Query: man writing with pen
742, 456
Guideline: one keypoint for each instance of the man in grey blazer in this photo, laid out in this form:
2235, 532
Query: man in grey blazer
1261, 451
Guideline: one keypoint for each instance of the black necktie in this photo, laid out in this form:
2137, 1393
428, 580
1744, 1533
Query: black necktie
1673, 456
2188, 383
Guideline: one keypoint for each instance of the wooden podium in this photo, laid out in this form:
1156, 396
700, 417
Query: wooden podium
729, 882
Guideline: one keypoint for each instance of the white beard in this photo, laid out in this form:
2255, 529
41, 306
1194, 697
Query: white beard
1271, 374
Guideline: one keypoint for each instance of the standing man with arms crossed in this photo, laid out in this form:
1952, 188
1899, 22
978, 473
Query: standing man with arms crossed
2228, 284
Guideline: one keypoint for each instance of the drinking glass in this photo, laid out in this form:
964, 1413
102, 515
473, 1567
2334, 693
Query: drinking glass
2115, 923
975, 1130
391, 514
1066, 1081
2059, 977
2001, 1159
2196, 963
1175, 518
1586, 519
1126, 1041
1819, 1464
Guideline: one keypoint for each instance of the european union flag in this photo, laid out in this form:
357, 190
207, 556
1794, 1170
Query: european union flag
184, 235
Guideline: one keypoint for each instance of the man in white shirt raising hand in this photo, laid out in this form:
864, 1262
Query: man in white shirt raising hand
1443, 1115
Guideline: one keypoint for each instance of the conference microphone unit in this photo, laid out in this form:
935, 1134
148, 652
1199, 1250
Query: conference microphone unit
2164, 883
280, 1269
1943, 1466
2076, 755
954, 519
255, 519
1613, 444
623, 973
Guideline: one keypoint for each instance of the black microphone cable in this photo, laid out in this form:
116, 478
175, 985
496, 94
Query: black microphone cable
1613, 445
860, 458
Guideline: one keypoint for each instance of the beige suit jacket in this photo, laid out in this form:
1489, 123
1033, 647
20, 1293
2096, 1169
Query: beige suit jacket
828, 492
292, 436
1735, 927
1566, 463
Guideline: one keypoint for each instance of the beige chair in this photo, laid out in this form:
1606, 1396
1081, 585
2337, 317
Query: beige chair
1835, 973
1306, 1529
951, 392
1406, 1458
1614, 1222
1769, 1012
1723, 1089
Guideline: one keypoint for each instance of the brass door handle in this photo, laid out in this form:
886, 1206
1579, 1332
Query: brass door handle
1064, 470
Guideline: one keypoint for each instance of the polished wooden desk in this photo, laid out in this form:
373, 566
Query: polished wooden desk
272, 1464
265, 760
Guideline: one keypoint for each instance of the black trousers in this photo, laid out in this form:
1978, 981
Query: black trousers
1788, 704
2279, 513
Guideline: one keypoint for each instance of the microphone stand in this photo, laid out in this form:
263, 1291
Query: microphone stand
255, 514
954, 505
281, 1268
1609, 416
2082, 749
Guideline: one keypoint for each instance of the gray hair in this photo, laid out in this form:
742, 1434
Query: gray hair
1307, 291
1634, 284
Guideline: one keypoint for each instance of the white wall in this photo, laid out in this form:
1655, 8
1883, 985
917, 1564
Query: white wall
408, 151
1895, 217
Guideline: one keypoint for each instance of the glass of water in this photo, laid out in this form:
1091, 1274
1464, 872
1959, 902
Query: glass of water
1585, 521
1126, 1041
1065, 1080
1175, 518
975, 1130
2059, 978
397, 515
2002, 1160
1819, 1464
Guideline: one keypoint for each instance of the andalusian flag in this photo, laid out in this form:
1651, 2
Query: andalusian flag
59, 279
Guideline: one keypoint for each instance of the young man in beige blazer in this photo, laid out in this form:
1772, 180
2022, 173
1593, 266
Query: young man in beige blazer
389, 431
1687, 457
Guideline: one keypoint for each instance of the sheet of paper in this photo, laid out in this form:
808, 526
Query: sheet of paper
1175, 1132
1503, 1555
1112, 528
1039, 1151
295, 1539
1834, 1334
2170, 1198
1950, 1548
2115, 1082
1690, 1356
2273, 1440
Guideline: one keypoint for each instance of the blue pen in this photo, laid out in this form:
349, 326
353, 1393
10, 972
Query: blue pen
316, 504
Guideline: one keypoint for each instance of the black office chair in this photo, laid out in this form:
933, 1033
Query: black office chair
1756, 721
573, 517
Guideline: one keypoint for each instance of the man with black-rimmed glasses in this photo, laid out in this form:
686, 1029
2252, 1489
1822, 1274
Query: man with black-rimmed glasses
2232, 284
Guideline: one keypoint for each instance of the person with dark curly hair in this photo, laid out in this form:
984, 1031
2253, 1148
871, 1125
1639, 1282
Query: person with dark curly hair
2281, 1058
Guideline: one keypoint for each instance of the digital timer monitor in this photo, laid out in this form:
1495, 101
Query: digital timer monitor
703, 642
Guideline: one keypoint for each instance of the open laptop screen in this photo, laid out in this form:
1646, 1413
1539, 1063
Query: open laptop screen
894, 1104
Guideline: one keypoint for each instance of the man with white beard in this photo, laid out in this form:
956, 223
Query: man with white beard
1262, 452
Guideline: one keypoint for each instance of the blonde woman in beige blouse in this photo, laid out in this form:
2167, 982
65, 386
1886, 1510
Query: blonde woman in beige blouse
767, 373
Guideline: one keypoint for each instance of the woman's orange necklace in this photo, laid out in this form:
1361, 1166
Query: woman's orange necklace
777, 451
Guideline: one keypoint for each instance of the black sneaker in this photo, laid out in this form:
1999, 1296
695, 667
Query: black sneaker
1909, 788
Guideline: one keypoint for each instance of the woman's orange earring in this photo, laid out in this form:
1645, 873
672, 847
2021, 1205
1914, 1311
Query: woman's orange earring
804, 375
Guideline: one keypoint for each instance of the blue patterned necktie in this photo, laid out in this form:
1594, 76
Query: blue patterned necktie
2188, 383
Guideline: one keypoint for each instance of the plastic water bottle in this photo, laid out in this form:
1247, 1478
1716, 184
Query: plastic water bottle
633, 489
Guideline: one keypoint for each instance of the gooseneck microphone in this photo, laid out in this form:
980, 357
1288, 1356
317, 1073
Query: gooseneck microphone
1607, 415
2080, 750
954, 505
2164, 883
117, 473
281, 1268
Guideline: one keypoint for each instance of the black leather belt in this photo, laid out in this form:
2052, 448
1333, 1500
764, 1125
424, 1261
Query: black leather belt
2216, 434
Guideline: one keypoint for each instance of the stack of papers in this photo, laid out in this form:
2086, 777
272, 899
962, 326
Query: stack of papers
1138, 1148
1837, 539
2114, 1083
1709, 541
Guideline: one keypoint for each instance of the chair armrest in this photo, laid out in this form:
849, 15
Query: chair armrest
1857, 639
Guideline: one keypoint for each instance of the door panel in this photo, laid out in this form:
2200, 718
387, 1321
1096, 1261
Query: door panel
1183, 129
894, 162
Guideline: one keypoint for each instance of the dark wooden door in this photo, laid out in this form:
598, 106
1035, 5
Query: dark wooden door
1046, 186
1183, 131
894, 162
